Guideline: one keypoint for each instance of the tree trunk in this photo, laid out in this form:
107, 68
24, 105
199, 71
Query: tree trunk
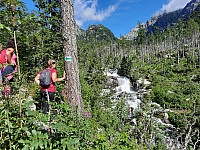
73, 91
198, 47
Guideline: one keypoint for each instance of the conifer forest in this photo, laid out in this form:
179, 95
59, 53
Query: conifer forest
162, 67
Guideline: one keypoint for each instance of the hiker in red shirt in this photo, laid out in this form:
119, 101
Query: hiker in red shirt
8, 63
48, 92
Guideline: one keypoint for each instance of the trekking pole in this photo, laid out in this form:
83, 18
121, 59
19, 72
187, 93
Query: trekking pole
13, 22
48, 99
49, 113
18, 66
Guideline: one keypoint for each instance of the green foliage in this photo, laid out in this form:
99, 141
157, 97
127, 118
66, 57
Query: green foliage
67, 129
98, 33
195, 14
175, 83
125, 67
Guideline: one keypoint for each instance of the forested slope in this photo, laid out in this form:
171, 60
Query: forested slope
170, 60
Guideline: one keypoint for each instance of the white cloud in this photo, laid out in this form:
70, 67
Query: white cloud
174, 5
87, 10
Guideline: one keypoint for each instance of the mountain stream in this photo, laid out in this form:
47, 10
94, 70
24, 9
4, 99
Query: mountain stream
123, 89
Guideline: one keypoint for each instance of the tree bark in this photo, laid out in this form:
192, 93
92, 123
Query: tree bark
73, 91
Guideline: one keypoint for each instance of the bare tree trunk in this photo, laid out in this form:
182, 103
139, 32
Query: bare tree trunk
193, 51
198, 47
73, 91
178, 53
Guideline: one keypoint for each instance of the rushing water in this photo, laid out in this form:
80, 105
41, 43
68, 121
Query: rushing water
124, 90
124, 86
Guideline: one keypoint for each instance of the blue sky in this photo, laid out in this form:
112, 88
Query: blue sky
120, 16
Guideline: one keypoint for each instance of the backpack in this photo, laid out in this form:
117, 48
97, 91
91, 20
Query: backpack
45, 78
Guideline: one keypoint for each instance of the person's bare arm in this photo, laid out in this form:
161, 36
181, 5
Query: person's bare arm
37, 79
55, 79
9, 56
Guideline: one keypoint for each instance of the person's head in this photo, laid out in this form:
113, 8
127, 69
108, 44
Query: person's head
10, 45
51, 63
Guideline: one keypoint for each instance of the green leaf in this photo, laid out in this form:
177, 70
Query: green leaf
1, 26
34, 132
64, 143
24, 141
41, 145
35, 144
7, 28
26, 147
25, 129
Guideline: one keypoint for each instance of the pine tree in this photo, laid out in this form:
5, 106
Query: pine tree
71, 59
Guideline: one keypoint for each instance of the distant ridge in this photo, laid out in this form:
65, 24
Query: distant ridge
162, 21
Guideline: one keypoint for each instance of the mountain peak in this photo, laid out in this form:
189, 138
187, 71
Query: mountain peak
164, 19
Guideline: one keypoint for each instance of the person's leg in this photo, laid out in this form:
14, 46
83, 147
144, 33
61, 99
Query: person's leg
51, 96
45, 106
45, 103
0, 78
7, 70
39, 103
54, 100
51, 99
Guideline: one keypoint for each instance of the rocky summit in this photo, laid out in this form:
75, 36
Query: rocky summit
165, 19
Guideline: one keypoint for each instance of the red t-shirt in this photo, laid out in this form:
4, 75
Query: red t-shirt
52, 87
3, 57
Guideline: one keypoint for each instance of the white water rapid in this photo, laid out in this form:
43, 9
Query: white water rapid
122, 89
124, 86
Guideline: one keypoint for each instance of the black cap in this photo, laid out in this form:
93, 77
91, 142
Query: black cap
11, 43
